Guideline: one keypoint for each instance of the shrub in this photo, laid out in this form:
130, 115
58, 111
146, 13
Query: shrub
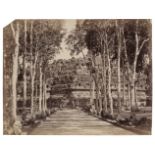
47, 112
123, 120
28, 119
17, 127
107, 115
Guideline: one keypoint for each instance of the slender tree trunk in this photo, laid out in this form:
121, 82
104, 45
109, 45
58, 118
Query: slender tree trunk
97, 97
91, 90
100, 103
133, 71
92, 93
98, 91
36, 95
133, 103
33, 74
32, 69
24, 64
133, 95
15, 70
118, 66
129, 95
32, 94
128, 71
95, 78
45, 95
107, 53
124, 90
137, 52
119, 85
40, 87
105, 83
109, 84
102, 84
44, 106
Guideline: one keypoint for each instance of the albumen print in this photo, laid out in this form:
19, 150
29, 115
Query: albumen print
77, 77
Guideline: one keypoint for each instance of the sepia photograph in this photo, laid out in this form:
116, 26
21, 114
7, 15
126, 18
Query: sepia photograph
77, 77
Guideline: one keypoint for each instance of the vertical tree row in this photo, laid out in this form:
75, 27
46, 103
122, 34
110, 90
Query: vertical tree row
16, 34
119, 46
35, 44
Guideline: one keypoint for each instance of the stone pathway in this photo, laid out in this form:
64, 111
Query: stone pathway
76, 122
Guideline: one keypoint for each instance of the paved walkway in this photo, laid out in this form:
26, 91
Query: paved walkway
76, 122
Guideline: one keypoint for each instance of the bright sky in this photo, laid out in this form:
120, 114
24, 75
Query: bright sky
69, 25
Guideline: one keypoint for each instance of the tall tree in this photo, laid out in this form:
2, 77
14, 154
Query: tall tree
24, 64
136, 37
33, 66
51, 38
16, 34
119, 39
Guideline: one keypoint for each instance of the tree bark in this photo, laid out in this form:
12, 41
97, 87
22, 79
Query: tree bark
32, 69
129, 95
109, 84
95, 77
44, 98
32, 94
24, 64
36, 95
45, 95
16, 34
137, 52
40, 88
124, 89
129, 74
91, 90
105, 82
92, 93
133, 103
33, 74
118, 66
